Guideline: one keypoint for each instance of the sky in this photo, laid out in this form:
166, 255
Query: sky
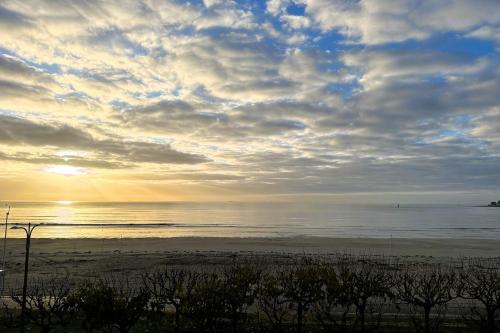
207, 100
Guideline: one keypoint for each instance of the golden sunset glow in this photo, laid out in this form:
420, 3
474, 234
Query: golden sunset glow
66, 170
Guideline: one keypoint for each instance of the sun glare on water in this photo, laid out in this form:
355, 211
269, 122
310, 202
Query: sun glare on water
66, 170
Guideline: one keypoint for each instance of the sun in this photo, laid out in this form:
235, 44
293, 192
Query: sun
64, 202
66, 170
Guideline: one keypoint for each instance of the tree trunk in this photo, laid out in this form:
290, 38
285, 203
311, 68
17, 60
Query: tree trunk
490, 313
89, 328
299, 317
362, 310
44, 329
177, 319
427, 319
234, 320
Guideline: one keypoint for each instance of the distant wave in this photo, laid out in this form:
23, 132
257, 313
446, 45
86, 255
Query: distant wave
276, 226
257, 220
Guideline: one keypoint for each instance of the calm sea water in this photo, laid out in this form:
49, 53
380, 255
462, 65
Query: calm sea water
103, 220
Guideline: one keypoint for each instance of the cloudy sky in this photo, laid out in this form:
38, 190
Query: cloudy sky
247, 100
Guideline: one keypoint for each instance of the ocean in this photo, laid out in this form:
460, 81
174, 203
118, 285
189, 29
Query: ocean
231, 219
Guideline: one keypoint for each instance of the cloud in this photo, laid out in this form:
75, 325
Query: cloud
277, 7
233, 123
486, 32
294, 96
54, 160
26, 87
11, 20
20, 131
379, 66
296, 22
17, 131
146, 152
224, 16
194, 177
374, 22
16, 69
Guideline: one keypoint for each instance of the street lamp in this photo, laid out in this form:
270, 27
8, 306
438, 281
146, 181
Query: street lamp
4, 247
29, 231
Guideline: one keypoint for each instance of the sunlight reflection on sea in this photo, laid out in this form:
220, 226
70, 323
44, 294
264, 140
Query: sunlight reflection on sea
116, 220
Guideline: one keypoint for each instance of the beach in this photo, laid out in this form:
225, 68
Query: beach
124, 262
84, 258
83, 240
312, 245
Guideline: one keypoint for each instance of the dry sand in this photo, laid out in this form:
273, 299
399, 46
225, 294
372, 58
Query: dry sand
82, 258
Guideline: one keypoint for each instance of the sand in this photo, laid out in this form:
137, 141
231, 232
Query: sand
84, 258
395, 246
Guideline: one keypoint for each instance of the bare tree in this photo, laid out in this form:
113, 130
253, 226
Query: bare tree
428, 288
302, 287
481, 284
272, 303
47, 303
368, 285
333, 306
130, 303
155, 284
111, 303
205, 305
10, 314
240, 287
94, 299
171, 287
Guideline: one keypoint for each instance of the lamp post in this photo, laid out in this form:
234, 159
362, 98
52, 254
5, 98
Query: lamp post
4, 248
29, 231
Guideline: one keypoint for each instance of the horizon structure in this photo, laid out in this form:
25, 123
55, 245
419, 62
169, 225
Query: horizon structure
218, 100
